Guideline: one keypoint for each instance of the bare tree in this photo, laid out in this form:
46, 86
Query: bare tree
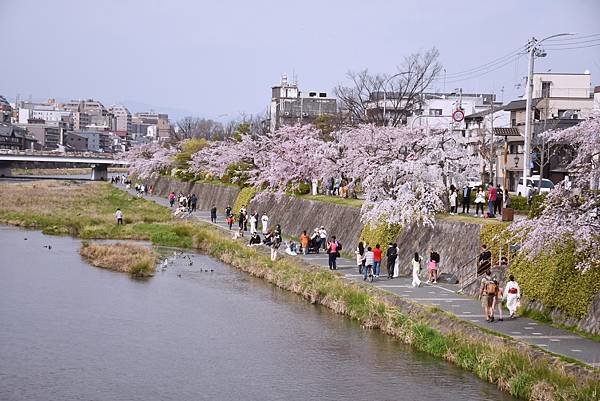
365, 100
194, 127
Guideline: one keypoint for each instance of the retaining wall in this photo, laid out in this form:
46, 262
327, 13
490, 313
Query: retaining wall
295, 215
209, 195
456, 242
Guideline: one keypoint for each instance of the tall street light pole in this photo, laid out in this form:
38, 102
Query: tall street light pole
533, 51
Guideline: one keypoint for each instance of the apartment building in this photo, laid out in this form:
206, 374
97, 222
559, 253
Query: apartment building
291, 106
560, 100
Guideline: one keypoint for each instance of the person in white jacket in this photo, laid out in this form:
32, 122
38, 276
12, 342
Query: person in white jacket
512, 295
253, 221
265, 223
416, 270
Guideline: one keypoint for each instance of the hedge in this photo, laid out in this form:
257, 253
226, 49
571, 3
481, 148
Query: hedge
553, 279
243, 199
383, 233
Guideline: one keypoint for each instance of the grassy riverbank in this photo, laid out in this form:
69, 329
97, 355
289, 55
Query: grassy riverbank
520, 370
63, 171
137, 260
86, 210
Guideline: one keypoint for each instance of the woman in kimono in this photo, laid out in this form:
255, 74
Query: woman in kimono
512, 295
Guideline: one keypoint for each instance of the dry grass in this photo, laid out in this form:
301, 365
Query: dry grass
137, 260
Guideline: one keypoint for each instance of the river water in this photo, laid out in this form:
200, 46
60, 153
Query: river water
69, 331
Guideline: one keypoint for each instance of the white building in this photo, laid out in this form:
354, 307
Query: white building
437, 108
42, 113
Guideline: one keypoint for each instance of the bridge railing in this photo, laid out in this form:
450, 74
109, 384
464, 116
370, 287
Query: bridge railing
97, 155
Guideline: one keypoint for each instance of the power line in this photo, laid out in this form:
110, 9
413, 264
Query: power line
578, 47
487, 65
510, 61
576, 37
552, 45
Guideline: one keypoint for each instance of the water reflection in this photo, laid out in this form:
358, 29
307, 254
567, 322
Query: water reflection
72, 331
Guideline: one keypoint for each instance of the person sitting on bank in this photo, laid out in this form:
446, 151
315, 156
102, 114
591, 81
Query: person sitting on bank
291, 248
254, 239
268, 238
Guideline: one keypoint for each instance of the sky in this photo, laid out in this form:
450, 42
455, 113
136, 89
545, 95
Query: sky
218, 59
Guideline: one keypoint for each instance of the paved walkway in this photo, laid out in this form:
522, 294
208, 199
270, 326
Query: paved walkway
444, 296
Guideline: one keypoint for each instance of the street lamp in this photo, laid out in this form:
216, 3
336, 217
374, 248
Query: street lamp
384, 93
533, 51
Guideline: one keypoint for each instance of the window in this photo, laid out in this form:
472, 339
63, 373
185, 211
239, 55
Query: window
545, 89
435, 112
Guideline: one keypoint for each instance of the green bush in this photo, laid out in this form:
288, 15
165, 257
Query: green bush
537, 206
302, 189
519, 203
383, 233
244, 197
495, 236
553, 279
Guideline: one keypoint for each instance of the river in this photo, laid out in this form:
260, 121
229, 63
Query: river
69, 331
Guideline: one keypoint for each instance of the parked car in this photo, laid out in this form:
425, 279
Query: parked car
534, 182
474, 182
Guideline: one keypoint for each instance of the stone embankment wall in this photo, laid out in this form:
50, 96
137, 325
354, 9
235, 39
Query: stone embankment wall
209, 195
295, 215
457, 243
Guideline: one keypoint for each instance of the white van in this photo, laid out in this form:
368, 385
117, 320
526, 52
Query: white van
534, 182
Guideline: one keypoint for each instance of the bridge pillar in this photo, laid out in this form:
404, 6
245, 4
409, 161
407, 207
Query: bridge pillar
99, 172
5, 169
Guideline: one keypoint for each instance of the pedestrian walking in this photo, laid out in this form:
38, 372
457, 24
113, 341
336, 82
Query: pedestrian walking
512, 295
194, 203
433, 266
499, 200
360, 256
498, 301
332, 251
392, 254
416, 269
377, 260
119, 216
242, 218
304, 240
323, 237
369, 261
466, 198
479, 201
275, 244
213, 215
492, 196
487, 294
171, 199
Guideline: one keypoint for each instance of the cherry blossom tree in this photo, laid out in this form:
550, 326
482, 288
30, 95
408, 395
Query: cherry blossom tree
151, 159
276, 161
404, 173
571, 211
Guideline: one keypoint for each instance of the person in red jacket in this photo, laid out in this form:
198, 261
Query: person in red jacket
377, 260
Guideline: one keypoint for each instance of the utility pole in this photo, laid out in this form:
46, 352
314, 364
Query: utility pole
492, 155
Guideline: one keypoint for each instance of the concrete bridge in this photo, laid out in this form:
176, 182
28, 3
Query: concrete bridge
99, 162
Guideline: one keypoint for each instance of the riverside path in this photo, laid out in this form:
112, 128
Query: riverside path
444, 296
